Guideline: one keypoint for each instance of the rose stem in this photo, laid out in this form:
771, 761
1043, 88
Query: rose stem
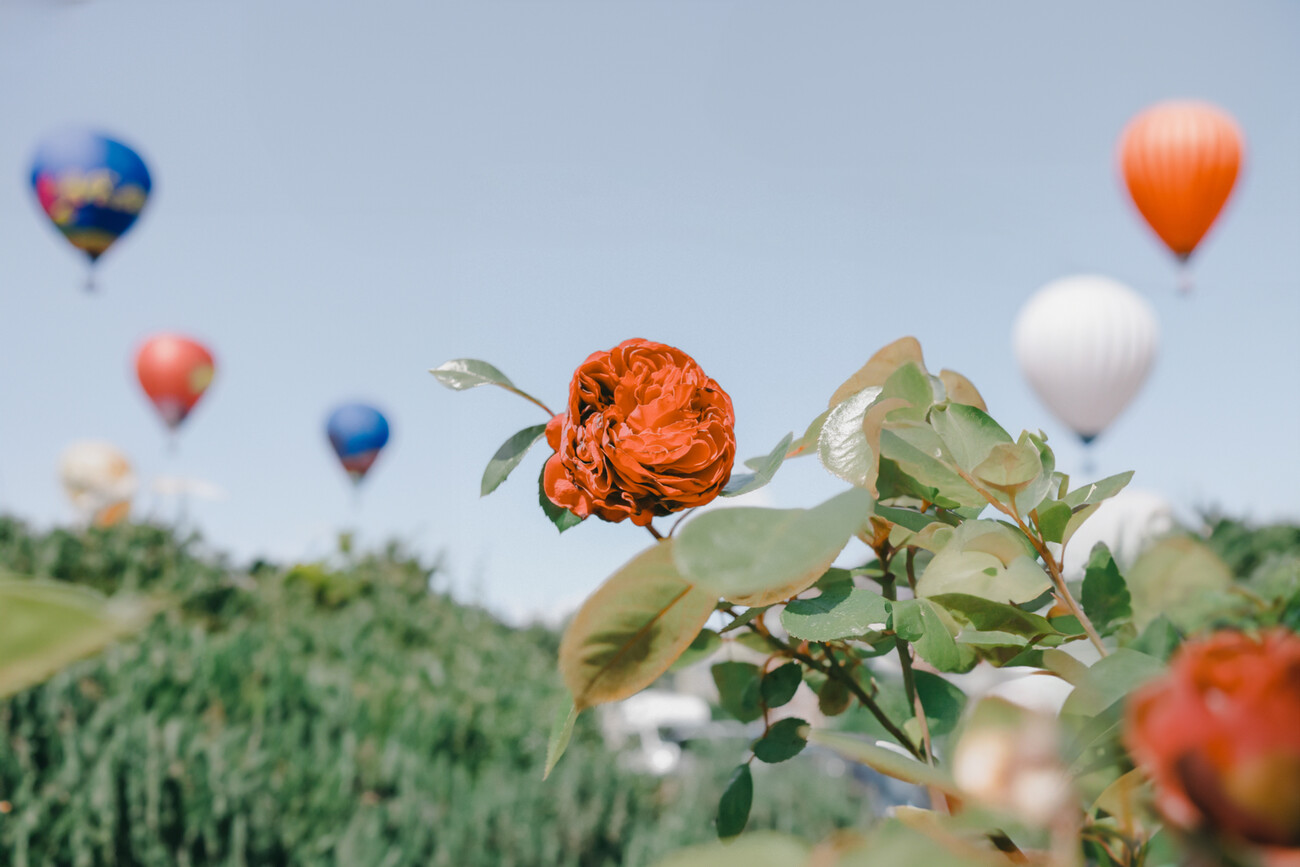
1058, 580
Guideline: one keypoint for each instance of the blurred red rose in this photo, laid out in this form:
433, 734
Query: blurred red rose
646, 433
1220, 737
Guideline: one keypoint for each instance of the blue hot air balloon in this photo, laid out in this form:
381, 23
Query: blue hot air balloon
357, 432
91, 187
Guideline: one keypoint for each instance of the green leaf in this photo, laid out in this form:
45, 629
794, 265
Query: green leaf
839, 612
764, 469
1109, 680
918, 621
759, 556
989, 616
779, 685
987, 559
909, 518
807, 443
880, 366
1052, 519
704, 646
884, 760
755, 849
942, 700
745, 617
46, 625
631, 629
512, 451
1181, 578
755, 642
561, 733
1098, 491
936, 841
843, 446
834, 697
968, 433
1105, 596
910, 383
463, 373
738, 689
1009, 467
1080, 514
563, 519
733, 807
918, 455
1160, 639
784, 740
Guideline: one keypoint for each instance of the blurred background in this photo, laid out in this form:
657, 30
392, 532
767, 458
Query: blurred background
346, 195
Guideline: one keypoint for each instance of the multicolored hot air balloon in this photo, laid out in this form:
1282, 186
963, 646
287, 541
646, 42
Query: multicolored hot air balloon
1086, 344
99, 482
174, 372
357, 432
91, 187
1180, 161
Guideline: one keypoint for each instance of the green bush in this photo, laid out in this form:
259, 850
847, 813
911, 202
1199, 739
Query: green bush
327, 714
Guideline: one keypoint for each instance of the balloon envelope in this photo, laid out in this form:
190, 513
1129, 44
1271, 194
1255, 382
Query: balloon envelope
98, 480
1180, 161
358, 432
1086, 344
91, 187
174, 372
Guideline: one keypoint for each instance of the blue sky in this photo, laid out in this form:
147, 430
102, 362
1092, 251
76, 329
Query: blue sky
347, 194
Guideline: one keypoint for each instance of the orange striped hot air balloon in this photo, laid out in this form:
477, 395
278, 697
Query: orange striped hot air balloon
1180, 160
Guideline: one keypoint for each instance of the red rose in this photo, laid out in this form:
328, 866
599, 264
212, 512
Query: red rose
1220, 736
647, 433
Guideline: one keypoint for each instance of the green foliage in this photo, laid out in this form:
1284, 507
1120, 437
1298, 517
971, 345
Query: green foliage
764, 469
507, 457
778, 685
969, 527
739, 689
736, 801
265, 720
783, 740
1105, 595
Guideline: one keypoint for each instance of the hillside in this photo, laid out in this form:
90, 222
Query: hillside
328, 714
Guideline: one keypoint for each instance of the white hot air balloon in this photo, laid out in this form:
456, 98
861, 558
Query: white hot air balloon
1086, 344
99, 481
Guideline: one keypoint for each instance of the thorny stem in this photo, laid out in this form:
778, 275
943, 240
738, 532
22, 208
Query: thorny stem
1053, 568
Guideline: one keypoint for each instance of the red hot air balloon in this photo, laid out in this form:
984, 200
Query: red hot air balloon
1180, 161
174, 372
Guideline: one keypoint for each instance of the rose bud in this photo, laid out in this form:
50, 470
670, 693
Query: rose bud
1219, 735
646, 433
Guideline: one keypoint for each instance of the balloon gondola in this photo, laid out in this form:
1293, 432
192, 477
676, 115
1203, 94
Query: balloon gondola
91, 187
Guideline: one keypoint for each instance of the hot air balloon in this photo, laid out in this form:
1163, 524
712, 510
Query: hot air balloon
99, 481
357, 432
1086, 344
175, 372
1180, 161
91, 187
